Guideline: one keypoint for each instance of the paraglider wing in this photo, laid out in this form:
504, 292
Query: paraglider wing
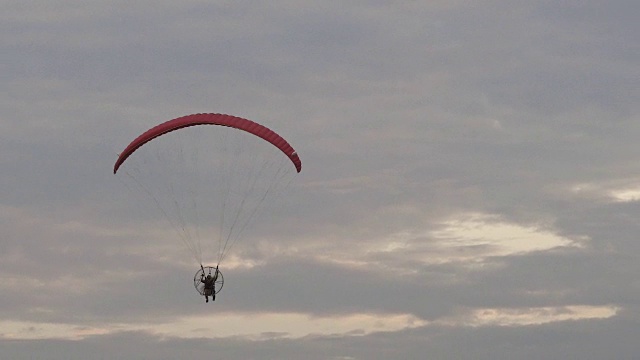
211, 119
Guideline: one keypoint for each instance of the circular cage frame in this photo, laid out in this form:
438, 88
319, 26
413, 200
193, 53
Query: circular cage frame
199, 285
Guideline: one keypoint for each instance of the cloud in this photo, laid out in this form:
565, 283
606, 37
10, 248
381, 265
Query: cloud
470, 179
537, 316
257, 327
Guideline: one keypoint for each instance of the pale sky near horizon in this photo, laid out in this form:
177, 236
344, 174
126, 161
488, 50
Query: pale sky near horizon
470, 184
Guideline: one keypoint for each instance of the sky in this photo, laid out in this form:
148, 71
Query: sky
470, 185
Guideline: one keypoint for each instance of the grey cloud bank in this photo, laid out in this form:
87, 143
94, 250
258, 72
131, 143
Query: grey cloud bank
498, 123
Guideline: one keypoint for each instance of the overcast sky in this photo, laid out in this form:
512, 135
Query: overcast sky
470, 185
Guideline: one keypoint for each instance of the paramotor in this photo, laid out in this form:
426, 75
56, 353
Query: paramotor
208, 175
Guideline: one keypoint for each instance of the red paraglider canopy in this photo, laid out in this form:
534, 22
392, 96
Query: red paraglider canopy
211, 119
